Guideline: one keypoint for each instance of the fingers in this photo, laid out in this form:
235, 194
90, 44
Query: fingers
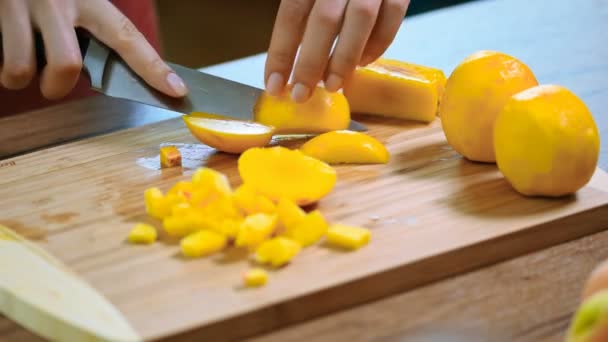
286, 36
387, 25
19, 65
365, 29
321, 31
114, 29
64, 61
358, 24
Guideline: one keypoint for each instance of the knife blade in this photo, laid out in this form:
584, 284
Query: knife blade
111, 76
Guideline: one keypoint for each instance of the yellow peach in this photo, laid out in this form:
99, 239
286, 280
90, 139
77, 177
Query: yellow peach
475, 93
546, 142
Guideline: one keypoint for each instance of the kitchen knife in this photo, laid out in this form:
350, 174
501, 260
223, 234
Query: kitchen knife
110, 75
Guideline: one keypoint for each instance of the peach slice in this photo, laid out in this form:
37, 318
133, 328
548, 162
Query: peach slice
226, 135
397, 89
324, 112
278, 172
346, 147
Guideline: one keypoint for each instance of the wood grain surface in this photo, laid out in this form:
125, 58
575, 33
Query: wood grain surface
438, 215
530, 297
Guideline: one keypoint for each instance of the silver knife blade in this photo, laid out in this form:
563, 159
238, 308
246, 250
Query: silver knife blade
111, 76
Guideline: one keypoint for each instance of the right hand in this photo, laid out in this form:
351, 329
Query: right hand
56, 20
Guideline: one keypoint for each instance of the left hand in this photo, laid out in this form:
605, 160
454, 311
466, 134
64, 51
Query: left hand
365, 29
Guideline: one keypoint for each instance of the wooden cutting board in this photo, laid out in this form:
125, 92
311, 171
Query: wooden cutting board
432, 215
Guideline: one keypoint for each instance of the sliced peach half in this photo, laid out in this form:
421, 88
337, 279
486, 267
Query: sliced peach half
226, 135
278, 172
346, 147
324, 112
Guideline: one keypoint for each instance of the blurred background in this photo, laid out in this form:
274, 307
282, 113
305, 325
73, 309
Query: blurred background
198, 33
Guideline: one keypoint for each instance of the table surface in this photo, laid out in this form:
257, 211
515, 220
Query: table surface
528, 298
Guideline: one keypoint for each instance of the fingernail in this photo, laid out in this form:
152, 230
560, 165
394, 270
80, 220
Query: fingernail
275, 84
300, 93
177, 84
333, 83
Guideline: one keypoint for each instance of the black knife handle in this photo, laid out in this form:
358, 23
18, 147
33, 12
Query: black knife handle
83, 42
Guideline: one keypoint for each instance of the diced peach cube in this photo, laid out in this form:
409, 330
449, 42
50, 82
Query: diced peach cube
289, 213
308, 230
277, 251
229, 227
179, 226
156, 204
142, 234
250, 202
202, 243
255, 229
209, 185
255, 277
347, 237
170, 156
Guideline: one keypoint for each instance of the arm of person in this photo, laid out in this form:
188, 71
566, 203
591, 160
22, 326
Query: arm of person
56, 20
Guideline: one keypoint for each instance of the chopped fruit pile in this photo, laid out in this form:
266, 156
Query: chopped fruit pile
170, 157
262, 215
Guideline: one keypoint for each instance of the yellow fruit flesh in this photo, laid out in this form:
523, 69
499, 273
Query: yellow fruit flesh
142, 234
207, 215
255, 277
324, 112
346, 147
308, 230
278, 172
209, 185
289, 213
347, 237
396, 89
250, 202
170, 157
231, 136
255, 229
202, 243
546, 141
156, 204
475, 93
277, 251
